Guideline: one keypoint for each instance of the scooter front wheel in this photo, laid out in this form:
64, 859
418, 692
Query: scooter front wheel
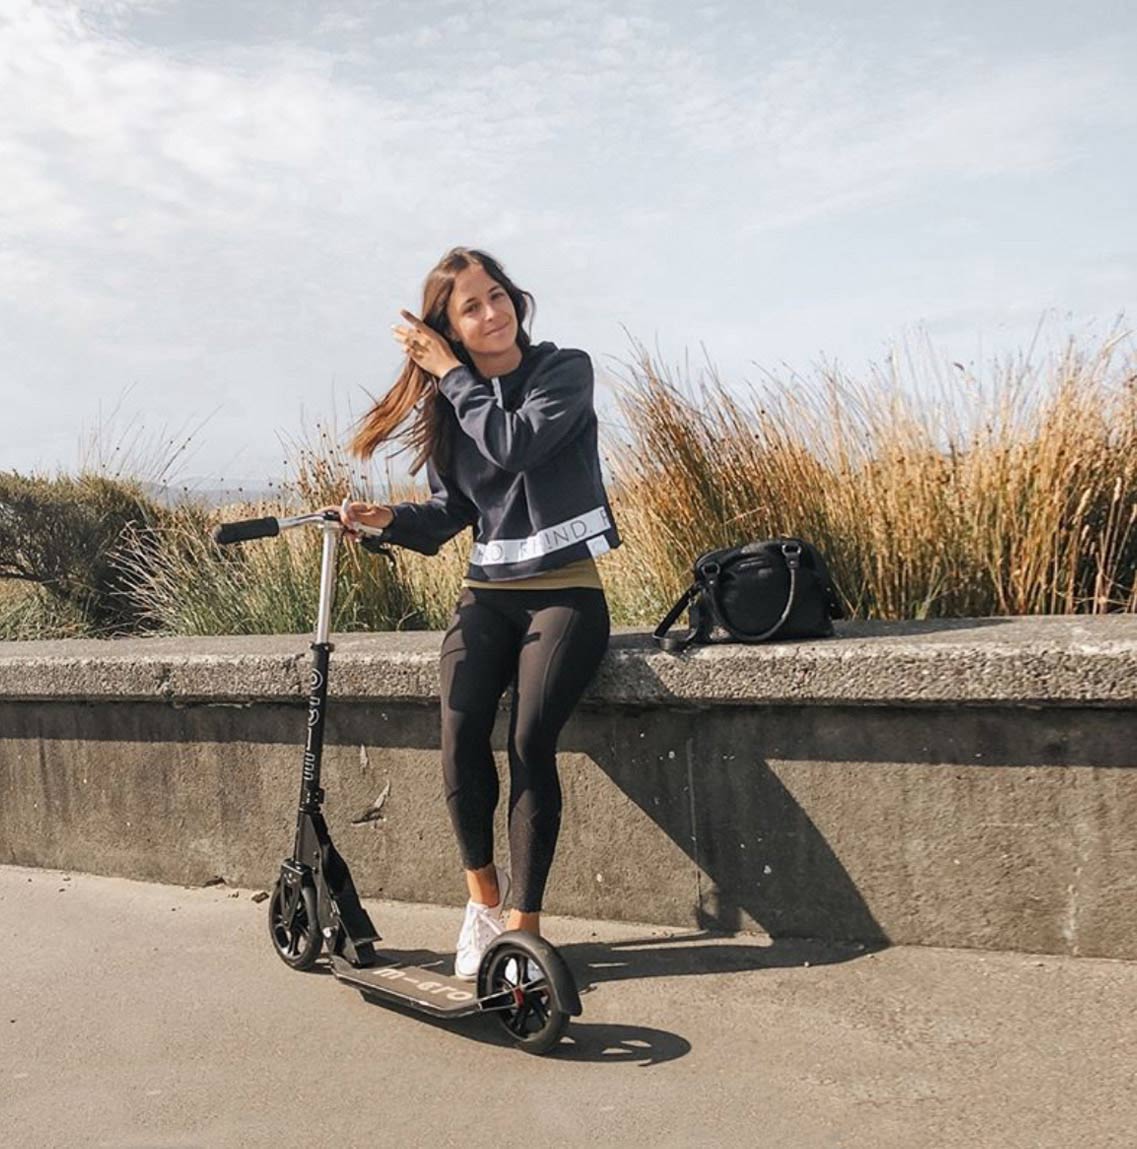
516, 969
292, 925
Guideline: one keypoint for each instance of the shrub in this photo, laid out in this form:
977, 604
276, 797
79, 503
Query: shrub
61, 534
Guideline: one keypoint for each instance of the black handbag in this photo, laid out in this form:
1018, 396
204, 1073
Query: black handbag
773, 588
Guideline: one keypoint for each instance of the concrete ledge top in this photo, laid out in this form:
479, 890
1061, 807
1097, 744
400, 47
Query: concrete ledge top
1053, 660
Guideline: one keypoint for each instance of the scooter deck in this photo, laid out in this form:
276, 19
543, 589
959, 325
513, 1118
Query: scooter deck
426, 989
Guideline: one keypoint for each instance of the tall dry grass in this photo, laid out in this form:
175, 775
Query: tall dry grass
931, 493
323, 473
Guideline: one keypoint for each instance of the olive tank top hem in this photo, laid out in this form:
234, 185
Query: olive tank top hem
582, 573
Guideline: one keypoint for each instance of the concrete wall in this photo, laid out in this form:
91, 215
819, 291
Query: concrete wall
956, 784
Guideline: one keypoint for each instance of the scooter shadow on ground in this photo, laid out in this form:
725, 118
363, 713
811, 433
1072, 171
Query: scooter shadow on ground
608, 1043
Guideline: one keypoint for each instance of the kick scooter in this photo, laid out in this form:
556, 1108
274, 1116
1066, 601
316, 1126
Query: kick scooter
522, 980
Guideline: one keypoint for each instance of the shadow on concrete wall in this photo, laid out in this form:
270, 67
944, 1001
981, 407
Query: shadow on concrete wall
758, 859
732, 787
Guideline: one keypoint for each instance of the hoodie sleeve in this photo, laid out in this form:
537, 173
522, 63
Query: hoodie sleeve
557, 403
424, 527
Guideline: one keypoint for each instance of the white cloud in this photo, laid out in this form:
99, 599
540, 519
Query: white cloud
824, 133
239, 205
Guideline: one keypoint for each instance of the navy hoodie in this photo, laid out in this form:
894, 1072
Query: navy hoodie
524, 470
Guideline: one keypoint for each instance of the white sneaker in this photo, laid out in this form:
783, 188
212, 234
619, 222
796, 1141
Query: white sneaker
479, 927
522, 974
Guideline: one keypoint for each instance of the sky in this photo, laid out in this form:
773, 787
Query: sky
211, 211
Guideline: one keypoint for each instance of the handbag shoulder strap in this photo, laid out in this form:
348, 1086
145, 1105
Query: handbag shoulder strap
676, 644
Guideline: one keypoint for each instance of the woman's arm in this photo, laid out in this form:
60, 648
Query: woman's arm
557, 402
424, 527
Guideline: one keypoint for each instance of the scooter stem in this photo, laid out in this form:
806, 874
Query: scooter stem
327, 582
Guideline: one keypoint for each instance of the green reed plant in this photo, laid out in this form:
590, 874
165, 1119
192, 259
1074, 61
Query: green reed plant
29, 612
261, 587
189, 585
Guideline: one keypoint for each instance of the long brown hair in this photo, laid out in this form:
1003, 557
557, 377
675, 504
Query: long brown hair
415, 390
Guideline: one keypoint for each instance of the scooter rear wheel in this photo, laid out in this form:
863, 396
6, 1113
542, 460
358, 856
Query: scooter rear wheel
534, 1023
293, 927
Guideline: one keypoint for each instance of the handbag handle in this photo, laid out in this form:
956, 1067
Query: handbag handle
791, 552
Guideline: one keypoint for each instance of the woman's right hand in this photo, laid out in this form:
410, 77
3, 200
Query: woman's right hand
376, 515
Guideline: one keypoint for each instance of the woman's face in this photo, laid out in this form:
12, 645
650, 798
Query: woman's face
481, 314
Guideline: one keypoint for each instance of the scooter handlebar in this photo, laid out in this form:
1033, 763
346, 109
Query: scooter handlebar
246, 529
268, 528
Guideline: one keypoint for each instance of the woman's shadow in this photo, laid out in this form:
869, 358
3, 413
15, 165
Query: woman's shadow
731, 786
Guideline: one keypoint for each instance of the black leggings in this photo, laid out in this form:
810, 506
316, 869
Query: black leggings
548, 644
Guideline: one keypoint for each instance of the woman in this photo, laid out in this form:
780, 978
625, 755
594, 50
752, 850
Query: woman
508, 434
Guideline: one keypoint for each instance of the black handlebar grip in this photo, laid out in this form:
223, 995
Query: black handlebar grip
246, 529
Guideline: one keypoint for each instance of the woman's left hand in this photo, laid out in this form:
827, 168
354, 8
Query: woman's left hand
425, 346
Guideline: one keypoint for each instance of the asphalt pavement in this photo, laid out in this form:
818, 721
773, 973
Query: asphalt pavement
134, 1014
